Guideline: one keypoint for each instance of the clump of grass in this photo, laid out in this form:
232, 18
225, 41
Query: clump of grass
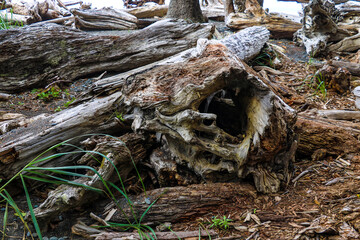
317, 84
60, 175
264, 58
6, 24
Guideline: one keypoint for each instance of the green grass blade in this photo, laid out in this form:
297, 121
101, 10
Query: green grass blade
61, 181
33, 217
150, 230
174, 233
13, 204
5, 219
143, 215
54, 170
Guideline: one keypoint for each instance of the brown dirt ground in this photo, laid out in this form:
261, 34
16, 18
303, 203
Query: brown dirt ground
329, 187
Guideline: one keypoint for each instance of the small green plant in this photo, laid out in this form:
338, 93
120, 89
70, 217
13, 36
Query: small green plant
318, 85
35, 90
67, 104
119, 116
58, 109
49, 94
222, 223
264, 58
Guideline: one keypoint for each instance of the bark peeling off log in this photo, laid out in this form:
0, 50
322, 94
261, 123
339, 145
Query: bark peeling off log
33, 56
171, 99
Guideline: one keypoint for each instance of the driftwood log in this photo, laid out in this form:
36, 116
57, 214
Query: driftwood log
278, 26
68, 54
148, 11
176, 204
104, 19
320, 20
334, 136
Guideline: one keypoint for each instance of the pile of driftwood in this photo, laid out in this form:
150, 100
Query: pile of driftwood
192, 109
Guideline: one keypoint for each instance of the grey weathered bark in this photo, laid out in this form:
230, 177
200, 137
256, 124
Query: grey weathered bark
185, 9
53, 51
104, 19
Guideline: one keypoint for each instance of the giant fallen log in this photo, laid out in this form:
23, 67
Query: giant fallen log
34, 56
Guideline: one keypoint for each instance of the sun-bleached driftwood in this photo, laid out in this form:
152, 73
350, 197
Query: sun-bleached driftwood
246, 44
148, 11
278, 26
320, 20
104, 19
68, 54
38, 10
348, 44
16, 19
339, 114
223, 124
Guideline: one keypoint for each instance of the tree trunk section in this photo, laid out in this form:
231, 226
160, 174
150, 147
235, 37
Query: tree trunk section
34, 56
188, 10
177, 204
337, 137
278, 26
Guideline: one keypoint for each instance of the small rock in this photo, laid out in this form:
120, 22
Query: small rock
241, 228
277, 199
45, 238
357, 95
53, 238
252, 230
4, 96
